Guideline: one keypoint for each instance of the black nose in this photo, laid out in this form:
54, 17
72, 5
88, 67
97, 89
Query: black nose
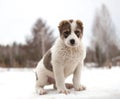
72, 41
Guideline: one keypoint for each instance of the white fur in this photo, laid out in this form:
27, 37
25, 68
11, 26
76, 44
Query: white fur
65, 60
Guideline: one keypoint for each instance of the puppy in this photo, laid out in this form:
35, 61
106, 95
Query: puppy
66, 57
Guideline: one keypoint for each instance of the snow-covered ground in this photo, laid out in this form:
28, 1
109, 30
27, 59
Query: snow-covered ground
101, 84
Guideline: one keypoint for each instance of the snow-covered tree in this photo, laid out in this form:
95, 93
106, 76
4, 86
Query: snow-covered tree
104, 35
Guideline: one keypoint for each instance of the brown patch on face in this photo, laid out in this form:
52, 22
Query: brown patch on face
47, 61
71, 20
64, 28
79, 28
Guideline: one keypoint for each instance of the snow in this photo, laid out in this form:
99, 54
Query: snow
101, 83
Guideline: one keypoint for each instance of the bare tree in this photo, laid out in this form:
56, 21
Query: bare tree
42, 39
104, 35
27, 55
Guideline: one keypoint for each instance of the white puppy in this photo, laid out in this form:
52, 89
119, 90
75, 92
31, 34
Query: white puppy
66, 57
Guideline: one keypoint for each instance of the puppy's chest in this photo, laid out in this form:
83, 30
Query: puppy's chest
68, 56
70, 60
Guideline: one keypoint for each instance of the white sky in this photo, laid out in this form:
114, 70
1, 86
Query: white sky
18, 16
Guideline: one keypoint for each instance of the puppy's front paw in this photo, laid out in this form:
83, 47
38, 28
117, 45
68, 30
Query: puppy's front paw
80, 88
65, 91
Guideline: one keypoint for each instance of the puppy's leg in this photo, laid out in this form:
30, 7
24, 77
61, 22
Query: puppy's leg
76, 78
40, 83
60, 79
40, 90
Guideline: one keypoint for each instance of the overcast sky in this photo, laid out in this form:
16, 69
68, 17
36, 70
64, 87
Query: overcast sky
18, 16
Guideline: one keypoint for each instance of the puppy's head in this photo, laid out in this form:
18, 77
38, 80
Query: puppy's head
71, 32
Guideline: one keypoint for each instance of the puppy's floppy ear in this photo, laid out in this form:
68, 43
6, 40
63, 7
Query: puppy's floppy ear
79, 25
63, 25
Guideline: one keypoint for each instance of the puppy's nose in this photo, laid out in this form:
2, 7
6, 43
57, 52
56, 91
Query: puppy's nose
72, 41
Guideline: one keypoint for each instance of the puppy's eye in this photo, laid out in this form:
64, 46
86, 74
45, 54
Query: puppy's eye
77, 33
66, 34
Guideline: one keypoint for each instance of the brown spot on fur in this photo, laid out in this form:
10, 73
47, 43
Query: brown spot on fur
47, 61
51, 80
64, 28
79, 27
71, 20
68, 86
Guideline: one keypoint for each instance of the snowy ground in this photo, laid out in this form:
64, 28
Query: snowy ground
100, 83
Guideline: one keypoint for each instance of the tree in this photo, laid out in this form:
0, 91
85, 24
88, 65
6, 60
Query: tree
27, 55
41, 40
104, 35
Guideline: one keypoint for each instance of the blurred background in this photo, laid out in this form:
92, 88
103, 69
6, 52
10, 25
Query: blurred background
28, 28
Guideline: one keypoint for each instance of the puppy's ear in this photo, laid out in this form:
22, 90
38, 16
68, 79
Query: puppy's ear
63, 25
79, 25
